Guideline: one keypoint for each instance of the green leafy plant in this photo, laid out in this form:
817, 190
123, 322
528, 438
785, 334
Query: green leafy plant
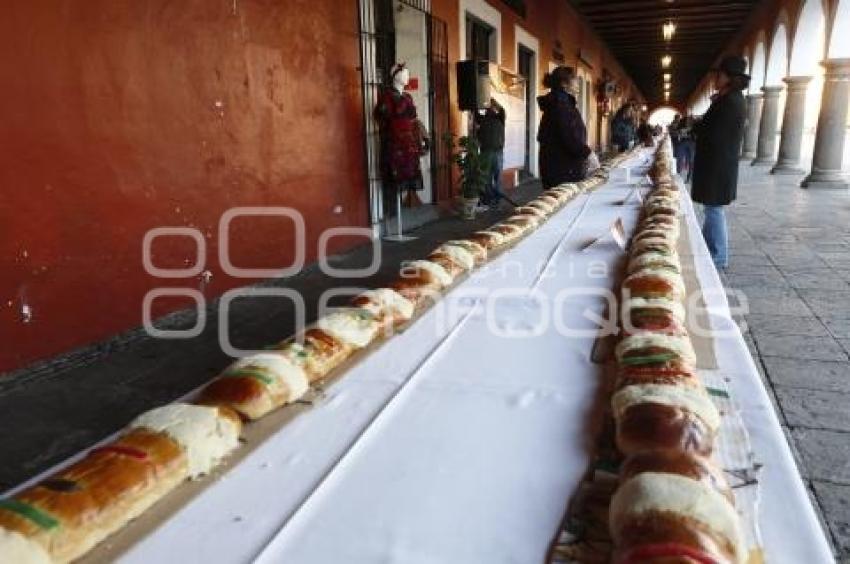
474, 169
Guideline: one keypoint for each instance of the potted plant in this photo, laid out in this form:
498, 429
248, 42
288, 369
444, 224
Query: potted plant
473, 173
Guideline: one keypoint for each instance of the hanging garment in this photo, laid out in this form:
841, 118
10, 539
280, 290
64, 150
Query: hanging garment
401, 148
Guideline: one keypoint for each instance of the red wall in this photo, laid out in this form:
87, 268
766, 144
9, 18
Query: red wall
120, 116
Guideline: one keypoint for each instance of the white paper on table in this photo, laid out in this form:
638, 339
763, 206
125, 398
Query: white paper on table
475, 463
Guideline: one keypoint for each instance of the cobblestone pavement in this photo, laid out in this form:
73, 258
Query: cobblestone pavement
790, 254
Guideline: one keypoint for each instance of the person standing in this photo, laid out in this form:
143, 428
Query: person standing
491, 139
564, 153
680, 132
718, 145
690, 145
675, 129
646, 134
623, 127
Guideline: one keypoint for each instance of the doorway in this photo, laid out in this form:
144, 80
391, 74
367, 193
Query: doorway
394, 31
525, 69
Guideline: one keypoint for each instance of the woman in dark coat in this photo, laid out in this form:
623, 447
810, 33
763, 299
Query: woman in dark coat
562, 135
718, 145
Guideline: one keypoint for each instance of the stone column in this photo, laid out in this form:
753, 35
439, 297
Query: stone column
751, 132
766, 151
832, 123
791, 141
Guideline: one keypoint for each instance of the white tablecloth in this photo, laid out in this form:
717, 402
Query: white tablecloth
454, 444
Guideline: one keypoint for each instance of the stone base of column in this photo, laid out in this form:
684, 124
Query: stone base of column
787, 168
832, 180
762, 162
748, 156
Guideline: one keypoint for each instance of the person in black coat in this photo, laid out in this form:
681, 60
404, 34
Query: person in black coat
564, 153
718, 145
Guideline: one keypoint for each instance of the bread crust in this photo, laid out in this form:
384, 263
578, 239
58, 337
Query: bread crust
651, 286
320, 354
476, 249
675, 376
657, 427
657, 527
447, 262
653, 245
243, 394
486, 240
98, 495
388, 320
685, 464
655, 319
510, 231
523, 221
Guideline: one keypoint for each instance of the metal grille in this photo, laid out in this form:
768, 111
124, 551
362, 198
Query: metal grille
377, 53
441, 161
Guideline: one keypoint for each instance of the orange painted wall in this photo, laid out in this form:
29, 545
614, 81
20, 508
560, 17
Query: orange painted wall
123, 116
120, 117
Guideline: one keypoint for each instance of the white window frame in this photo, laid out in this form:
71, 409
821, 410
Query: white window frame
483, 11
528, 41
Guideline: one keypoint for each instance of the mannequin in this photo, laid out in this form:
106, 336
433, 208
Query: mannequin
401, 148
401, 79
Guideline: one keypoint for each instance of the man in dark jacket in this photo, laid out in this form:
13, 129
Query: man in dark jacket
623, 128
562, 135
718, 145
491, 138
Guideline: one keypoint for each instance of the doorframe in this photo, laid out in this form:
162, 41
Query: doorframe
524, 39
369, 36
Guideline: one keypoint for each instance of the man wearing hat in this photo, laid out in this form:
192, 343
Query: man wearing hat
718, 146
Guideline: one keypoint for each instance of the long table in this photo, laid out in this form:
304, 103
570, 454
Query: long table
462, 439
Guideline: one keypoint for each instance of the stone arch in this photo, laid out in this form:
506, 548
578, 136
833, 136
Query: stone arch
777, 61
759, 65
839, 43
808, 48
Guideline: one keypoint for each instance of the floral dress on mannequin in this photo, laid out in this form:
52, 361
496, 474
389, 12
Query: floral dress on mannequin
400, 142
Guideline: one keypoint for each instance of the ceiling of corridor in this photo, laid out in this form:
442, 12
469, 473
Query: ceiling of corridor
632, 29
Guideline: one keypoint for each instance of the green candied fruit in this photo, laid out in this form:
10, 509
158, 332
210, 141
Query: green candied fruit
42, 519
294, 349
364, 315
649, 359
250, 372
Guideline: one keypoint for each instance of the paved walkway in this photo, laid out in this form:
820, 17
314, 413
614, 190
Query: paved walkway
791, 257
